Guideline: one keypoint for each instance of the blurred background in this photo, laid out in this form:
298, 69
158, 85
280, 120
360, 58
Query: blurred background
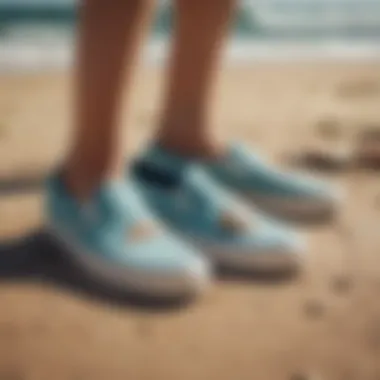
40, 32
301, 82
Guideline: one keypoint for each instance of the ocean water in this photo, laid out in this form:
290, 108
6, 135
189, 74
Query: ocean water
37, 34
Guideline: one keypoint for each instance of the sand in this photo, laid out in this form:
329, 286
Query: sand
323, 323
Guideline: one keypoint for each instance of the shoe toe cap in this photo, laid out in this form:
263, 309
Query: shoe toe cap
171, 267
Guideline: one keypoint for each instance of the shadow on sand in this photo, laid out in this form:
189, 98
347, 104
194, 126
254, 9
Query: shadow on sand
21, 184
37, 258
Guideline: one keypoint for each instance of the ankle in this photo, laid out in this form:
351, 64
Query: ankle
81, 181
193, 148
78, 185
85, 170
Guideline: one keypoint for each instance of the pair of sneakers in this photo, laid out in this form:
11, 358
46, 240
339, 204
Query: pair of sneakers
162, 230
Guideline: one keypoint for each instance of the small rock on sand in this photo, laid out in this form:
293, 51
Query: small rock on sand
341, 284
329, 128
314, 309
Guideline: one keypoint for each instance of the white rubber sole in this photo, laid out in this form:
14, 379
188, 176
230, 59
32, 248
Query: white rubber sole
187, 283
266, 261
311, 210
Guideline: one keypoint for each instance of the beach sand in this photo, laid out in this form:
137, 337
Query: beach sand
322, 324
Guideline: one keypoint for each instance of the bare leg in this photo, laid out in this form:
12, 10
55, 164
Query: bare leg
200, 30
109, 39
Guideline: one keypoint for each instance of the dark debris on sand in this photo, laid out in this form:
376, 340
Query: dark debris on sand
314, 309
359, 88
342, 285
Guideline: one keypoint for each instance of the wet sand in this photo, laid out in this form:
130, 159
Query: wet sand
321, 324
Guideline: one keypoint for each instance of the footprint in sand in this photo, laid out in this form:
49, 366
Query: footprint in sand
8, 330
301, 376
324, 161
144, 330
373, 335
12, 375
3, 130
332, 153
367, 150
360, 88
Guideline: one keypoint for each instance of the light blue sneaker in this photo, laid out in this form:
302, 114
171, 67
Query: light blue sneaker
224, 227
115, 238
282, 194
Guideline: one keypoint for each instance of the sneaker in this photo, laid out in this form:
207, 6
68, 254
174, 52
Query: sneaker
116, 239
225, 228
282, 194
